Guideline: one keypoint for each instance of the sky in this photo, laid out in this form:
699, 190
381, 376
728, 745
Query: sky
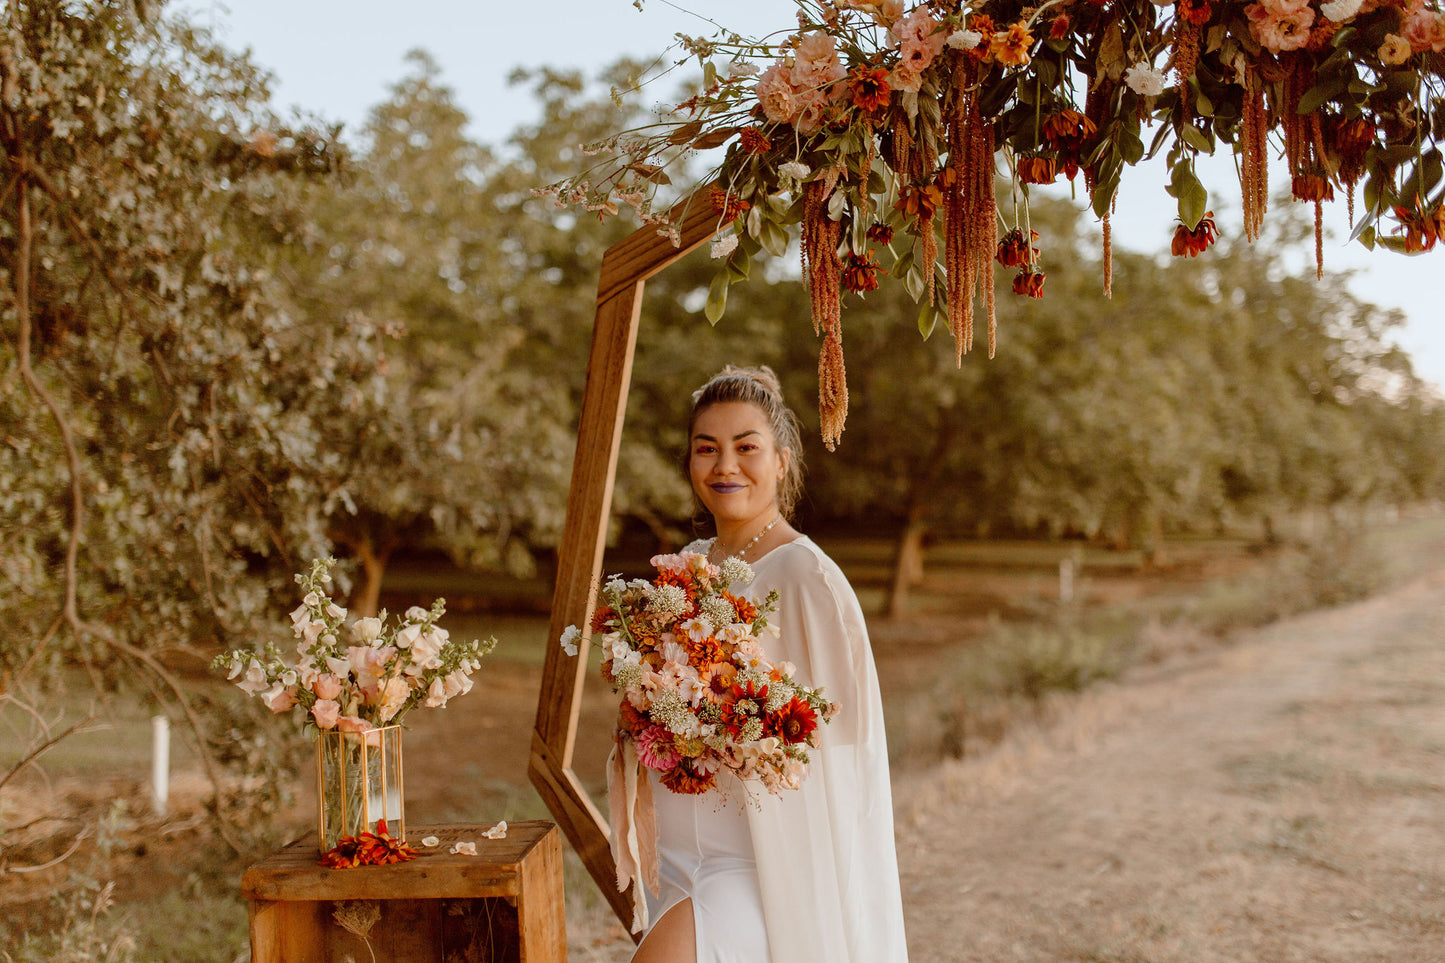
338, 58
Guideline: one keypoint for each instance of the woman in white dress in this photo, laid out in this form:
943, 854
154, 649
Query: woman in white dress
809, 874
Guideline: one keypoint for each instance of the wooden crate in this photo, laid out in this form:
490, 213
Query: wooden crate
502, 905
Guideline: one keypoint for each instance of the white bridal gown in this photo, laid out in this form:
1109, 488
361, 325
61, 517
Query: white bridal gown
807, 875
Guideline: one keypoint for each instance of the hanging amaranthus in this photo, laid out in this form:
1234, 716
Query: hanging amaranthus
820, 237
970, 226
1254, 159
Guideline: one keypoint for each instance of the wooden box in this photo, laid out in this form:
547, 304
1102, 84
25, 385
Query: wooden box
502, 905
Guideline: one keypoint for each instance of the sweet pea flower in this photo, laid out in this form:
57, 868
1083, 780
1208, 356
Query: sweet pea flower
335, 611
392, 697
436, 694
341, 668
254, 679
672, 652
366, 631
457, 683
406, 637
368, 664
326, 712
326, 686
424, 653
278, 698
416, 614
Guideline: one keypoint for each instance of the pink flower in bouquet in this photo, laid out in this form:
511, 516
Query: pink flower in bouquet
391, 696
368, 665
920, 39
1280, 25
671, 651
812, 112
817, 66
326, 686
779, 100
1424, 30
352, 724
326, 712
279, 698
676, 564
655, 749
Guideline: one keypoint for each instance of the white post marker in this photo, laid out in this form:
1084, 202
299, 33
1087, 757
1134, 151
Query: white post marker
160, 762
1066, 580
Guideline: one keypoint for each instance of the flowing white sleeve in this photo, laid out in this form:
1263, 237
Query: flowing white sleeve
827, 865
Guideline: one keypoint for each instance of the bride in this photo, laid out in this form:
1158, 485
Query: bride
809, 874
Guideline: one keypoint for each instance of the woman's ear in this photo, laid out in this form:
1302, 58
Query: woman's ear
787, 454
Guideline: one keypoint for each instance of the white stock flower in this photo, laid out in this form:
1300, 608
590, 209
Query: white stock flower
1145, 80
416, 614
615, 585
723, 246
570, 635
797, 170
456, 683
425, 652
742, 68
1340, 10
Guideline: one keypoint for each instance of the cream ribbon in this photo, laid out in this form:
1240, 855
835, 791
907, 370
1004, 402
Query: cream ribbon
634, 828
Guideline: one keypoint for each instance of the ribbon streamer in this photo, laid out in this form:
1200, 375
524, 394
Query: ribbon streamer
634, 828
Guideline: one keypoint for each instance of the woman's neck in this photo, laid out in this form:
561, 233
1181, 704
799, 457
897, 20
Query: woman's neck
752, 538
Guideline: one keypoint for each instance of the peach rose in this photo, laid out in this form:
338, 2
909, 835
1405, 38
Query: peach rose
326, 686
1424, 31
1394, 51
352, 724
326, 712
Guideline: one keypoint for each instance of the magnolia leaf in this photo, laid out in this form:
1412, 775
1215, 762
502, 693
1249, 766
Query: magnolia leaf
1319, 95
913, 284
717, 297
835, 205
927, 320
738, 264
1131, 147
1197, 139
774, 239
685, 133
714, 138
651, 172
1193, 198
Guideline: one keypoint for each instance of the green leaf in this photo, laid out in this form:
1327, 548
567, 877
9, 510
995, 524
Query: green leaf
1195, 138
774, 239
738, 264
913, 283
927, 320
1193, 198
1131, 147
717, 298
1319, 95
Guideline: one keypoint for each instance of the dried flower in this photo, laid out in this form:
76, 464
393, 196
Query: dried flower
868, 89
1037, 170
728, 206
1011, 47
1189, 243
860, 272
723, 246
753, 141
1014, 251
1030, 283
879, 233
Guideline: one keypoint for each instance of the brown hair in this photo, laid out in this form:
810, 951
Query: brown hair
756, 386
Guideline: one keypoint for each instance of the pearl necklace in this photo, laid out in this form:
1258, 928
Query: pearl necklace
754, 540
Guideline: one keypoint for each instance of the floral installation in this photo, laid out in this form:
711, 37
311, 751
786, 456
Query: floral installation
359, 676
699, 697
878, 128
367, 849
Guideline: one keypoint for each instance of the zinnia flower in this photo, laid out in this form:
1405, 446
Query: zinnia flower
1189, 243
754, 141
655, 749
794, 722
727, 205
868, 87
681, 779
1011, 47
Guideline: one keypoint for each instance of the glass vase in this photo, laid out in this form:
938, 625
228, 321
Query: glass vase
358, 784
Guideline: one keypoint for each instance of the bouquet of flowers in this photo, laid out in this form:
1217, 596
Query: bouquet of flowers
877, 127
699, 695
359, 676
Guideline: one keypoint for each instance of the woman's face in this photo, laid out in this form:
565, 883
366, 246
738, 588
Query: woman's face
735, 464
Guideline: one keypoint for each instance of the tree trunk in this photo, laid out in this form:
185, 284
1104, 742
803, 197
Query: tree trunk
907, 564
366, 599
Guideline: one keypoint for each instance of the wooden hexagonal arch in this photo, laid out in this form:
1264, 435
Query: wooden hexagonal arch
626, 266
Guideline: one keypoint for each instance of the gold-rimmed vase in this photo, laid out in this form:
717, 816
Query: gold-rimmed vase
358, 784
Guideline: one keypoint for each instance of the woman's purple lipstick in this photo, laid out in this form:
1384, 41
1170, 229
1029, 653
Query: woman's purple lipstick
725, 488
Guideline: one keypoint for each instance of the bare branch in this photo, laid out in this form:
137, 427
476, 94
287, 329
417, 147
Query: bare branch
35, 753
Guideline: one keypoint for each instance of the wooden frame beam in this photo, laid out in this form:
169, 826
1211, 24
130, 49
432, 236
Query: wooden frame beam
626, 266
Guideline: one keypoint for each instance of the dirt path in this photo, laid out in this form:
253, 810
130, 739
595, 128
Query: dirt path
1281, 798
